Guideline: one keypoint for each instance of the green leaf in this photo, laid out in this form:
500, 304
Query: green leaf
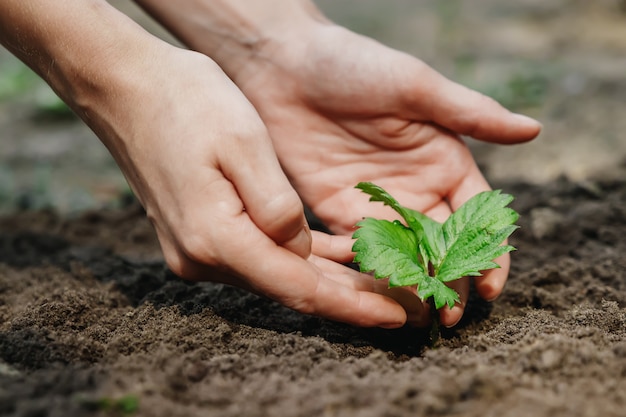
427, 253
378, 194
441, 294
474, 234
433, 245
390, 250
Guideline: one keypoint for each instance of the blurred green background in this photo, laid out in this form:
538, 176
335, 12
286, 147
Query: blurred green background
563, 62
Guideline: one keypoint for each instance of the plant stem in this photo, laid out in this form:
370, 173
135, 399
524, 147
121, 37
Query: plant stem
434, 327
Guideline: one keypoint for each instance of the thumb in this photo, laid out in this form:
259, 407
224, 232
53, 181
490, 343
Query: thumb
465, 111
268, 197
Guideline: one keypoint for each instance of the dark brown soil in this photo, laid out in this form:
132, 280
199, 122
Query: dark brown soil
88, 312
89, 315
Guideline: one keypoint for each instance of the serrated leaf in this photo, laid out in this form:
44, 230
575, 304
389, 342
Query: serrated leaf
432, 245
474, 234
465, 245
389, 249
441, 294
378, 194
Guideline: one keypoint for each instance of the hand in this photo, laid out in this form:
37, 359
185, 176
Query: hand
342, 108
201, 162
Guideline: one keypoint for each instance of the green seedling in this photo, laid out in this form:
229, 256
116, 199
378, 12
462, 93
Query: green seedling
125, 406
425, 253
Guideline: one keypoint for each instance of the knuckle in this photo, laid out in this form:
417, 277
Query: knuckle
285, 213
306, 302
175, 263
197, 247
304, 305
287, 204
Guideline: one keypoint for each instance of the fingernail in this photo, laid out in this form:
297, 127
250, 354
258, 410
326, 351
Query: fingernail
459, 312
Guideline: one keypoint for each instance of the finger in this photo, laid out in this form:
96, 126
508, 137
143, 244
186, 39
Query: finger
417, 314
275, 272
268, 197
451, 316
466, 111
271, 270
334, 247
299, 285
472, 183
490, 285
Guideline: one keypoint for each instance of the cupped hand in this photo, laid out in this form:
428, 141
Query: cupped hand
200, 160
342, 108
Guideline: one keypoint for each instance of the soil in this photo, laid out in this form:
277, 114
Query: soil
92, 321
88, 312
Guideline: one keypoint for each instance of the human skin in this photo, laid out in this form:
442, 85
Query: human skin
342, 108
194, 151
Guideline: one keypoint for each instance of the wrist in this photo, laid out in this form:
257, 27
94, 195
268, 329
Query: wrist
72, 46
239, 35
271, 37
95, 62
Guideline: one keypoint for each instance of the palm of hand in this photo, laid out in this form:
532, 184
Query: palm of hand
352, 110
342, 118
422, 165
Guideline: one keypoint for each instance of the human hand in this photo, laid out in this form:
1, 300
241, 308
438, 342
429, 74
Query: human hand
198, 157
342, 108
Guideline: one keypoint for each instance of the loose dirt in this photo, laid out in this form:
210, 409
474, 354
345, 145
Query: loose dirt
91, 320
89, 312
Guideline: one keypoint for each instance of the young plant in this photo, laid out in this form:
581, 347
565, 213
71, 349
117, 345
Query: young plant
429, 254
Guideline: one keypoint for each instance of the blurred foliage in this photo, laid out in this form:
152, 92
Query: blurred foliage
371, 21
522, 90
7, 186
49, 107
123, 406
16, 79
38, 195
448, 12
518, 88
